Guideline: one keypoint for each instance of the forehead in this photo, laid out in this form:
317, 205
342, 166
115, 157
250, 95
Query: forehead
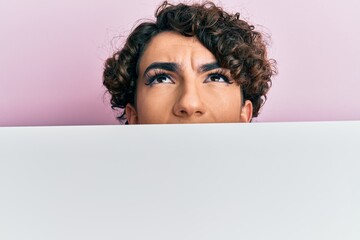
173, 47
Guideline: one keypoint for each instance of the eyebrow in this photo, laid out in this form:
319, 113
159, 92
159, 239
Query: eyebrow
174, 67
168, 66
209, 66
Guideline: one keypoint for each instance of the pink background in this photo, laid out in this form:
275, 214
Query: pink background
52, 54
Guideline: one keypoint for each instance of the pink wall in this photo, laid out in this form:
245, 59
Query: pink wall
52, 54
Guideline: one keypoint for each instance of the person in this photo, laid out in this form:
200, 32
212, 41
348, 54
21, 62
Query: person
195, 64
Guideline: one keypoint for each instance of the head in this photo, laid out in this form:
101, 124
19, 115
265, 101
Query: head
194, 64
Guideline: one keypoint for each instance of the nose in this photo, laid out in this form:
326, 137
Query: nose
189, 102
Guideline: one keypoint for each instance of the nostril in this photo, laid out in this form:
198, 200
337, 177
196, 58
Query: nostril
199, 112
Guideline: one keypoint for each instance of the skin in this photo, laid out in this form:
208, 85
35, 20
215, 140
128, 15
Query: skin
180, 82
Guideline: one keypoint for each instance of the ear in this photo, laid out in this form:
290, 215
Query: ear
246, 112
131, 114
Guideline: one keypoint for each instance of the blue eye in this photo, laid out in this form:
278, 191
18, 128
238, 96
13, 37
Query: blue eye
159, 79
217, 77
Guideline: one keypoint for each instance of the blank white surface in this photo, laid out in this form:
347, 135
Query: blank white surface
214, 181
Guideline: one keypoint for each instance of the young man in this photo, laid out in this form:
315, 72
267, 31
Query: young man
194, 64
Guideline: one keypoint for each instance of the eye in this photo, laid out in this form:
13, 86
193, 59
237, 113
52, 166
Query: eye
159, 79
217, 77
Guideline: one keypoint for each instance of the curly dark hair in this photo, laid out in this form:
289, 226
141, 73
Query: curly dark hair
234, 43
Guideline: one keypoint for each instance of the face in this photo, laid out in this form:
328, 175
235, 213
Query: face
180, 81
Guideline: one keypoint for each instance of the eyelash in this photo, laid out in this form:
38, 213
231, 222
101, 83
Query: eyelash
222, 74
150, 78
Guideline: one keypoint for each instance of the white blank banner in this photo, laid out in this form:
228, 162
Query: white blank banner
208, 181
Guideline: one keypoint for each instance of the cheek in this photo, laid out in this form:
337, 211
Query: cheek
226, 103
152, 107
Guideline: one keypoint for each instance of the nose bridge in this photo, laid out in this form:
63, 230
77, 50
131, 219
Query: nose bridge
189, 101
190, 93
